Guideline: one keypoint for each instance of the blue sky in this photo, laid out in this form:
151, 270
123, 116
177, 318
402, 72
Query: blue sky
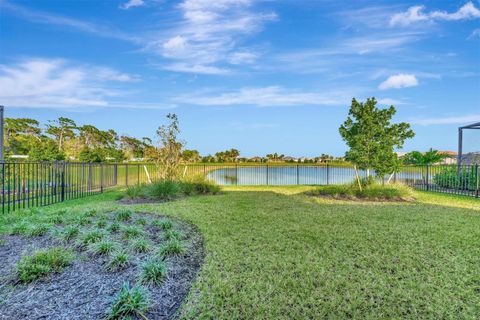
261, 76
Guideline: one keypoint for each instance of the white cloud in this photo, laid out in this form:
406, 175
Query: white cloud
132, 3
468, 119
397, 81
475, 34
208, 36
52, 19
268, 97
416, 14
390, 101
57, 83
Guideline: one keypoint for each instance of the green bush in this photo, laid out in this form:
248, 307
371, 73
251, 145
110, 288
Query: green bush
372, 191
170, 189
172, 247
154, 272
451, 178
118, 260
124, 214
43, 262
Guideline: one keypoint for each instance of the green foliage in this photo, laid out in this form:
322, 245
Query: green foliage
141, 221
45, 150
92, 236
43, 262
169, 189
101, 223
162, 224
423, 159
19, 228
103, 247
172, 247
129, 232
141, 245
372, 138
452, 178
37, 230
114, 227
118, 260
69, 233
169, 153
371, 191
173, 234
123, 214
129, 302
153, 272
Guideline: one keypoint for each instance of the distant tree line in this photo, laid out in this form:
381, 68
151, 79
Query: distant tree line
64, 139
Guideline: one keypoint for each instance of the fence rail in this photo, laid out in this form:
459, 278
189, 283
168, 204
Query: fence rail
33, 184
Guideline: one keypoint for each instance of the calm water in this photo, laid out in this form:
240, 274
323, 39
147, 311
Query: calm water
290, 175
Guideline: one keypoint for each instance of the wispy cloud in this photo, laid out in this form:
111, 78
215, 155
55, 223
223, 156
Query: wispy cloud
132, 3
272, 96
208, 36
466, 119
475, 34
397, 81
52, 19
416, 14
56, 83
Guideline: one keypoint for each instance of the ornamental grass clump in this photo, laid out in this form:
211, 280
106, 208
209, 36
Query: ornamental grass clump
124, 214
153, 272
92, 236
118, 260
103, 247
42, 263
69, 233
130, 302
141, 245
172, 247
37, 230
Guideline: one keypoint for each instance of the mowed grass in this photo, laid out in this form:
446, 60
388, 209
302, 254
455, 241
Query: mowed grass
276, 253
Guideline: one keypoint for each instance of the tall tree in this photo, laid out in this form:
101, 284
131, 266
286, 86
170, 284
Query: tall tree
372, 138
62, 129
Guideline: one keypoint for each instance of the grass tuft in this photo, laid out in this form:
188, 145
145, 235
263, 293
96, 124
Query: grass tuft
37, 230
103, 247
92, 236
172, 247
69, 233
162, 224
173, 234
129, 232
130, 302
118, 260
124, 214
141, 245
153, 272
43, 262
114, 227
371, 191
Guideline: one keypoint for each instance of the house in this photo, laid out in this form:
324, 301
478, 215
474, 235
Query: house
289, 159
471, 158
451, 157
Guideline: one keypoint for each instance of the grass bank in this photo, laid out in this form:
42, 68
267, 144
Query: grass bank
275, 253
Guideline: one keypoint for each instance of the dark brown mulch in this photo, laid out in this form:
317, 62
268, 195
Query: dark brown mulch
141, 201
85, 290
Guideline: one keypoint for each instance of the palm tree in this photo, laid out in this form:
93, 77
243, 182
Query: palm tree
424, 159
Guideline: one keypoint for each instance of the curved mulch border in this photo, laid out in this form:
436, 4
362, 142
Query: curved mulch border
360, 199
85, 290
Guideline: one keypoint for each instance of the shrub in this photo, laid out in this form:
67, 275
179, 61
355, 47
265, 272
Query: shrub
163, 190
450, 177
141, 245
136, 192
118, 260
124, 214
103, 247
371, 191
129, 302
43, 262
153, 271
172, 247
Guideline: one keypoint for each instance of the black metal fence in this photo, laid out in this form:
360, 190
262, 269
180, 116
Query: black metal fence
33, 184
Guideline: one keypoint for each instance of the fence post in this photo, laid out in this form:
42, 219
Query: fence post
328, 174
298, 176
126, 174
427, 178
62, 183
477, 192
115, 174
205, 171
236, 174
101, 176
267, 174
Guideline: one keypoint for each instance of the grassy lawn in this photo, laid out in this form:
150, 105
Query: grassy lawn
274, 253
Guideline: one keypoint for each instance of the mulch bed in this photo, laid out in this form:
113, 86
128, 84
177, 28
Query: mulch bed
362, 199
85, 289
